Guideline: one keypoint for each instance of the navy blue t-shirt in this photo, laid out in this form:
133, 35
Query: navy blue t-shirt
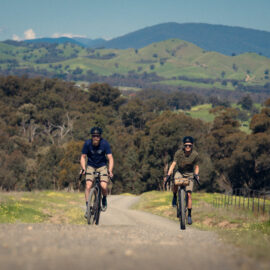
96, 154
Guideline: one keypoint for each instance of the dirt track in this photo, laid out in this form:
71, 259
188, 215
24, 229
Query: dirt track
125, 239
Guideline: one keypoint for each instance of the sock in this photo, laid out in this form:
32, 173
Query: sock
189, 212
86, 203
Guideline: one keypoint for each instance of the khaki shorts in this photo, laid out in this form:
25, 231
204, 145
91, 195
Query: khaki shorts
186, 175
103, 170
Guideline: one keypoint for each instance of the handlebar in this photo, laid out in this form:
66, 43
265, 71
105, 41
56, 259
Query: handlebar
81, 174
168, 179
196, 178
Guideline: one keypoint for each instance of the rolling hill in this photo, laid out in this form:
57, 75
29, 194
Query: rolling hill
223, 39
174, 63
227, 40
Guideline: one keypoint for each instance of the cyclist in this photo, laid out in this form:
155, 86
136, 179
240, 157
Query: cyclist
186, 160
98, 152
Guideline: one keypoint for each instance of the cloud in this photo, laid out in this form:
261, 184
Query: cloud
15, 37
69, 35
29, 34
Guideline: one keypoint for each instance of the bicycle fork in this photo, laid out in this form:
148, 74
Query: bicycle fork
179, 202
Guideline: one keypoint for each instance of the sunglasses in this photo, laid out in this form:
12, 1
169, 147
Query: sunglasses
187, 145
95, 136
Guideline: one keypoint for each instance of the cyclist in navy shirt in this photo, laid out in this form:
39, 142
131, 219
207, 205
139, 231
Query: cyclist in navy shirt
98, 152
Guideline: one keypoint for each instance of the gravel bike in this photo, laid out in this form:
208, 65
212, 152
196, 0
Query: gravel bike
94, 206
182, 198
94, 200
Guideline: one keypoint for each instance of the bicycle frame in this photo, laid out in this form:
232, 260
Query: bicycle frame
182, 202
94, 208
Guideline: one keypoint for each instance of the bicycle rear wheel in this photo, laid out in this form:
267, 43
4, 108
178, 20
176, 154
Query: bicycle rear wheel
182, 208
92, 208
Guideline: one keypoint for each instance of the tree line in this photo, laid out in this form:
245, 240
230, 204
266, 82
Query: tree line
44, 123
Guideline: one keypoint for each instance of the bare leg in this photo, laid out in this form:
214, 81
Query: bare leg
189, 200
87, 189
104, 188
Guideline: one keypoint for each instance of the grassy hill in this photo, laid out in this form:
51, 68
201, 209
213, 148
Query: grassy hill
176, 62
220, 38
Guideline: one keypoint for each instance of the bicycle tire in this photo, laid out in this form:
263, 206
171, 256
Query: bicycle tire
98, 208
92, 206
182, 208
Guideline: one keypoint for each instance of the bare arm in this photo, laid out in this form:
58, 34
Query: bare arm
171, 168
83, 161
196, 169
111, 164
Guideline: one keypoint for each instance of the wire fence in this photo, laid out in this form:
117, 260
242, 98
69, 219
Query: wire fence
252, 200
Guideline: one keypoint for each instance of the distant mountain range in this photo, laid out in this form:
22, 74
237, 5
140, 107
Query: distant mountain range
223, 39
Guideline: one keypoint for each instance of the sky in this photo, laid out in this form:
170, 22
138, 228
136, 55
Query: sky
28, 19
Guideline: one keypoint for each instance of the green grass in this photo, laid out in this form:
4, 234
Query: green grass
242, 228
44, 206
201, 112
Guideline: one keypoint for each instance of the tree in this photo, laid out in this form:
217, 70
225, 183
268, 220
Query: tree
70, 165
103, 93
222, 141
261, 122
223, 73
246, 103
251, 160
48, 168
235, 68
133, 114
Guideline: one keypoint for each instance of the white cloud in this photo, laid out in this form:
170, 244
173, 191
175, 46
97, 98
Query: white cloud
15, 37
29, 34
69, 35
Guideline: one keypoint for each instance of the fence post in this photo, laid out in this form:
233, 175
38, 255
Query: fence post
244, 199
252, 201
258, 202
263, 203
239, 199
248, 199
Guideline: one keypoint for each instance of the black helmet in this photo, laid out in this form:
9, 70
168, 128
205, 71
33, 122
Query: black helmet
96, 130
188, 139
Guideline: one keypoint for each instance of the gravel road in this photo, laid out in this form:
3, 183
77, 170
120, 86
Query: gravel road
125, 239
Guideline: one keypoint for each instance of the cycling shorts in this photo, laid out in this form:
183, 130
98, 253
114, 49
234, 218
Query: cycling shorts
102, 170
190, 176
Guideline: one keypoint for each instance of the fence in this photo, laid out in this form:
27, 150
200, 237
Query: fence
256, 201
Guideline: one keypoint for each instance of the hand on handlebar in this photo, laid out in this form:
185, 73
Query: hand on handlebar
197, 179
82, 172
111, 174
167, 179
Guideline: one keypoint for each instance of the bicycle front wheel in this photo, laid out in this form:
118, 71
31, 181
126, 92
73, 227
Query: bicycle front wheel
182, 208
92, 208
